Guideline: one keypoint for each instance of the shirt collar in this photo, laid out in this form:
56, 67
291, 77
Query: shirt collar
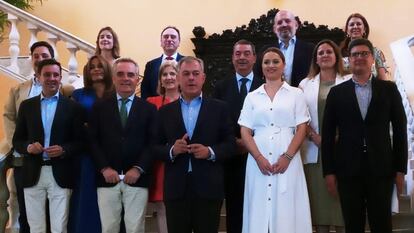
284, 86
362, 85
36, 81
249, 76
173, 56
131, 97
198, 99
55, 96
291, 41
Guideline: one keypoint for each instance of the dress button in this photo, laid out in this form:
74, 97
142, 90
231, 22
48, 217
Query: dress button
270, 153
271, 124
270, 185
271, 109
268, 199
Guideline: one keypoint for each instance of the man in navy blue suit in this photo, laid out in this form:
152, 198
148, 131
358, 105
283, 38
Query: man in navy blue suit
170, 41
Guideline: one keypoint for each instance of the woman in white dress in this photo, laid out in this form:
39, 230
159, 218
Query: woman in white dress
273, 126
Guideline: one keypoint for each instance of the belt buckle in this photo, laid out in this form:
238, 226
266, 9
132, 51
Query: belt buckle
47, 163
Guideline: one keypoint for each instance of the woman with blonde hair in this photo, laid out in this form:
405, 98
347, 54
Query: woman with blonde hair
107, 44
168, 91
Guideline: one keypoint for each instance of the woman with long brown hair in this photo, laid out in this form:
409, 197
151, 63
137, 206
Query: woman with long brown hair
325, 72
357, 27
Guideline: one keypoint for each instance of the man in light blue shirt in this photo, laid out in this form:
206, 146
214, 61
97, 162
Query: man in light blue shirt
48, 133
298, 54
195, 137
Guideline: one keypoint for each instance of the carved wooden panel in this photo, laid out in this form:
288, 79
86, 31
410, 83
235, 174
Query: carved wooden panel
216, 49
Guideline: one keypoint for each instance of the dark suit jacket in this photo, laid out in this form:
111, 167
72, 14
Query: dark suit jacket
122, 148
227, 90
213, 128
67, 131
150, 82
344, 156
302, 58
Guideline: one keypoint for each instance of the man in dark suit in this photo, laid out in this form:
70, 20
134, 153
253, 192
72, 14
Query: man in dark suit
358, 155
170, 41
298, 53
122, 128
233, 90
48, 133
195, 137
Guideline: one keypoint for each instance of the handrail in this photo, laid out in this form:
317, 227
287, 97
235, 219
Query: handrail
45, 26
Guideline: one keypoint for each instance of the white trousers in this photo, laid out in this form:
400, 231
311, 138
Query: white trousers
133, 199
35, 200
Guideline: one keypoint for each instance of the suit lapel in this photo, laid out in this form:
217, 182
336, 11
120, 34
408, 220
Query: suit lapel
113, 112
177, 117
354, 100
58, 118
37, 118
256, 83
201, 115
132, 114
374, 98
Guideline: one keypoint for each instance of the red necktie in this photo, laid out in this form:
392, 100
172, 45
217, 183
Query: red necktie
169, 58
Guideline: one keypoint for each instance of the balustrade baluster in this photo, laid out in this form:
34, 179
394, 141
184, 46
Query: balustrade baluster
53, 39
33, 33
73, 63
14, 38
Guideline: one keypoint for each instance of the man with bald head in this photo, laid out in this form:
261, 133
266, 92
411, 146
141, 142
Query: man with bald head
298, 53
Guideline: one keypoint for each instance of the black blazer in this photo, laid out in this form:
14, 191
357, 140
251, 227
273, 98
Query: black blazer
150, 82
67, 131
213, 128
302, 58
227, 90
122, 148
342, 119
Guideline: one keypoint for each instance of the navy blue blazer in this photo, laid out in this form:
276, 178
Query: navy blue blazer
213, 128
227, 90
67, 131
344, 132
122, 148
150, 82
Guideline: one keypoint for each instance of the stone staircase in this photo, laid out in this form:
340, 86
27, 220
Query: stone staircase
403, 222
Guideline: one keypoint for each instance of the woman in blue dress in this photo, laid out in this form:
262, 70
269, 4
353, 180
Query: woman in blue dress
84, 212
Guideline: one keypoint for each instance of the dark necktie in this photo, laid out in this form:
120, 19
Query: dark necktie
169, 58
243, 89
123, 113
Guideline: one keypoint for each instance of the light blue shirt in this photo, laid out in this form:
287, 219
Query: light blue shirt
36, 88
364, 95
128, 104
190, 111
288, 51
48, 110
248, 83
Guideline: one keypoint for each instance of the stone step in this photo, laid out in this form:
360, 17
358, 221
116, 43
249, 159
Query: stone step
403, 222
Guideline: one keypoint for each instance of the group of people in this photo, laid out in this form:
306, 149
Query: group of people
313, 136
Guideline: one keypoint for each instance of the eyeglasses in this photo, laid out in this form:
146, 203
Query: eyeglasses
362, 54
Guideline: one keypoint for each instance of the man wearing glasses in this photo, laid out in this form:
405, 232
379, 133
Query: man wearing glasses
122, 129
361, 159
